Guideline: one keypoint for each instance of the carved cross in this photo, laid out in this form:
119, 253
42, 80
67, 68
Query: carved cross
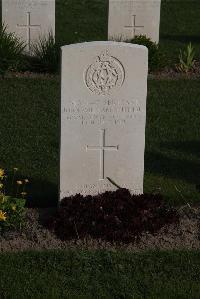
133, 26
102, 148
28, 27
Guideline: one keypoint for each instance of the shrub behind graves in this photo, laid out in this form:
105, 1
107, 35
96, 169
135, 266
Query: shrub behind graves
46, 54
10, 50
156, 57
111, 216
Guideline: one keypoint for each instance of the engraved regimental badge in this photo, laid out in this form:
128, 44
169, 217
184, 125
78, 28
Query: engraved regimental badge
105, 74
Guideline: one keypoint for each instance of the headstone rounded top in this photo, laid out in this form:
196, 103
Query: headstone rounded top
104, 43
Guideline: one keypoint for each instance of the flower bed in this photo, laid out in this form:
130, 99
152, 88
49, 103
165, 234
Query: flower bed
111, 216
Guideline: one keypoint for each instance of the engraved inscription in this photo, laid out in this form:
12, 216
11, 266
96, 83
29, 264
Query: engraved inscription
137, 5
98, 188
104, 74
102, 148
30, 4
113, 112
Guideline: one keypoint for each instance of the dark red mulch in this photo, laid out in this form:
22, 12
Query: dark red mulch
112, 216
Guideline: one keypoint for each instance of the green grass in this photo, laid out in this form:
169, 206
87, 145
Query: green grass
87, 20
180, 24
29, 137
81, 20
173, 139
30, 109
29, 140
100, 274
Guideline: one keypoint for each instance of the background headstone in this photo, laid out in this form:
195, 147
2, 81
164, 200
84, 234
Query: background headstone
128, 18
103, 115
29, 19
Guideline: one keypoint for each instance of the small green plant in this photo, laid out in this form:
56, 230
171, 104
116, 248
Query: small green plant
156, 57
46, 54
186, 59
12, 207
11, 49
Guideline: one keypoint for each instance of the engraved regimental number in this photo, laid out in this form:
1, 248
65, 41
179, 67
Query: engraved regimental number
105, 74
102, 148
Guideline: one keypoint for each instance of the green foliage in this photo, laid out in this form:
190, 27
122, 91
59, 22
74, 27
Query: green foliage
156, 57
186, 59
46, 54
10, 50
13, 210
109, 274
11, 207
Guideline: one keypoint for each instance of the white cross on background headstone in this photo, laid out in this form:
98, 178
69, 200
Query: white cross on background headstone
28, 26
133, 27
102, 148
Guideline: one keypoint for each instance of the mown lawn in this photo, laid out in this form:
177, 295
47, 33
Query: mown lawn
29, 137
87, 20
29, 140
180, 25
100, 274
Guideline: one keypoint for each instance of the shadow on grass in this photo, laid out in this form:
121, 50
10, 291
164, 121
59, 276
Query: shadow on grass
175, 160
187, 147
179, 167
181, 38
42, 194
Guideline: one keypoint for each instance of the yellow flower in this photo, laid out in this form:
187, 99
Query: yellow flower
26, 181
13, 208
19, 182
1, 186
2, 173
2, 216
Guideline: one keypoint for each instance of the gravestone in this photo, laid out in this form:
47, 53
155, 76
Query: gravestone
128, 18
29, 19
103, 115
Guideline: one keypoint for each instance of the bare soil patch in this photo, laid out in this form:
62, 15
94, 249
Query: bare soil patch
172, 73
34, 236
166, 73
31, 75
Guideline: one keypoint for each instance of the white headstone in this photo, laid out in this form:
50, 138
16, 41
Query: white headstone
128, 18
103, 115
29, 19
